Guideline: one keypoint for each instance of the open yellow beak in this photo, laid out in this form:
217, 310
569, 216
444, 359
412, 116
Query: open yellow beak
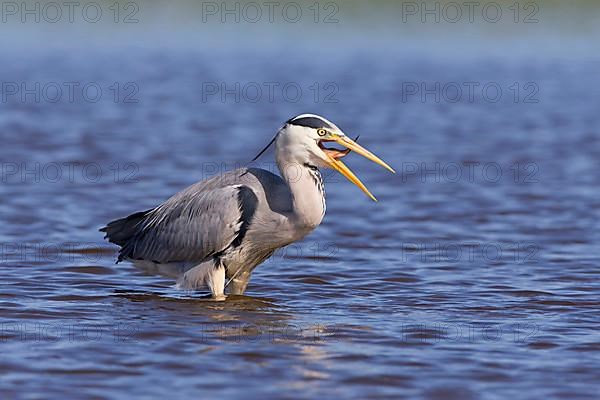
339, 166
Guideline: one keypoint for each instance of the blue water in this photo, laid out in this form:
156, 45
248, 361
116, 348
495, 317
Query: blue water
474, 276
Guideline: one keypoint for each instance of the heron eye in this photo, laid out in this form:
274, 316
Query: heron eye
321, 132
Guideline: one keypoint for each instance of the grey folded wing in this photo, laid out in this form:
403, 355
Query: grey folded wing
193, 225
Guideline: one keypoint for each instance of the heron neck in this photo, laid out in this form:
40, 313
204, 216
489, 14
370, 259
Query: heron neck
308, 196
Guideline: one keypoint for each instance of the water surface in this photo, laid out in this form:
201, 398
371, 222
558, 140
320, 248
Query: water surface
475, 276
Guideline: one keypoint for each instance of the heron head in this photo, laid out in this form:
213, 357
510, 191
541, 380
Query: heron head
302, 140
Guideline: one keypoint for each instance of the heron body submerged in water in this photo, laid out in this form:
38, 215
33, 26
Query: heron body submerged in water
218, 230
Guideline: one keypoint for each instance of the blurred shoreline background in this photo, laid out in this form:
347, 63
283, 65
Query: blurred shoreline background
506, 27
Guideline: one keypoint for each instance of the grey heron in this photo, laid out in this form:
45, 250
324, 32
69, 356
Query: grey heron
218, 230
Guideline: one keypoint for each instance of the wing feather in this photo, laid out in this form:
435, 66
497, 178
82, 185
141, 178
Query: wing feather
193, 225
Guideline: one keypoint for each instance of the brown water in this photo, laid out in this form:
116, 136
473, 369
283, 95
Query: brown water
475, 276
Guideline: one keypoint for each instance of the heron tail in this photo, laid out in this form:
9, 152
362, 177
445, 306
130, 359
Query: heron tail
121, 230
